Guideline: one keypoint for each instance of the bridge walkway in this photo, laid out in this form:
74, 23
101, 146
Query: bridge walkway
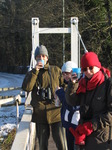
51, 144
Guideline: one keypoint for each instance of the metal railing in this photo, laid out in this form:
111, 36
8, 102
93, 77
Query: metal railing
25, 133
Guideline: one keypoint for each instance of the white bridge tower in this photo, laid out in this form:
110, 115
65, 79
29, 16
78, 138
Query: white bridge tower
73, 30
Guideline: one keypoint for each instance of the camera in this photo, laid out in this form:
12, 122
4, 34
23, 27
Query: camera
45, 93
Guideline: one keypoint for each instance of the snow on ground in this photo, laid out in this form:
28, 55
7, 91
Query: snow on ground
8, 114
8, 80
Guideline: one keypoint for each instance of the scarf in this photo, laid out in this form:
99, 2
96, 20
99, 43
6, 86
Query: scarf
97, 79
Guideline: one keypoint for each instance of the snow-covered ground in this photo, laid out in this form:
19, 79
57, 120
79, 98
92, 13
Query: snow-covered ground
8, 114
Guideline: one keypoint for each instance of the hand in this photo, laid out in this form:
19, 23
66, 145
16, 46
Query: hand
57, 88
74, 77
85, 128
79, 139
39, 65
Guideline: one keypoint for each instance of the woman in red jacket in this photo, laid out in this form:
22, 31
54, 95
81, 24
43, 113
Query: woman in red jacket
94, 95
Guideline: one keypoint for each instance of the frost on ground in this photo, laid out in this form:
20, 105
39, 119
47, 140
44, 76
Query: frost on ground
5, 129
8, 117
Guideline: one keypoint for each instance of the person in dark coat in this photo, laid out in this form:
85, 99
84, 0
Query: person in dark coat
42, 81
94, 95
69, 115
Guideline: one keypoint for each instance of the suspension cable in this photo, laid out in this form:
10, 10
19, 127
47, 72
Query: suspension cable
74, 21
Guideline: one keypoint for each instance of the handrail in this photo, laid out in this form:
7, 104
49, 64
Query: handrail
26, 132
10, 101
25, 136
9, 88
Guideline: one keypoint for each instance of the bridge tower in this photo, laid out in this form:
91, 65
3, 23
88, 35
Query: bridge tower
73, 30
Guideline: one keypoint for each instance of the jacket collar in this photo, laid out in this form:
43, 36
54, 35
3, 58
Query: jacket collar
46, 66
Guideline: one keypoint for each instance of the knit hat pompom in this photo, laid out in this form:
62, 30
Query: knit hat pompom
90, 59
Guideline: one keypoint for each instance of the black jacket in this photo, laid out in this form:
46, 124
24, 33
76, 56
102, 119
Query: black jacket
95, 106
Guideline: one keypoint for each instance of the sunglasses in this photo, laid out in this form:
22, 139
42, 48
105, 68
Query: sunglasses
90, 68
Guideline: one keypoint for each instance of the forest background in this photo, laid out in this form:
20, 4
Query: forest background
95, 27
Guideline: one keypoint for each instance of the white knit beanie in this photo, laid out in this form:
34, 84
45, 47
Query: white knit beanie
67, 67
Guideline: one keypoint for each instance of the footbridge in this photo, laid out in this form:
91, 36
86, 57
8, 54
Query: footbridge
26, 131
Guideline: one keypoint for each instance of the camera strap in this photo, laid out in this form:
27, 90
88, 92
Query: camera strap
49, 71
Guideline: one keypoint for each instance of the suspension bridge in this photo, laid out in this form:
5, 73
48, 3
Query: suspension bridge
25, 136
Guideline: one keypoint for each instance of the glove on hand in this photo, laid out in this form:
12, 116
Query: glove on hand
85, 128
79, 139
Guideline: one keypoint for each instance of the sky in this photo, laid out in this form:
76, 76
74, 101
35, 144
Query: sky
8, 117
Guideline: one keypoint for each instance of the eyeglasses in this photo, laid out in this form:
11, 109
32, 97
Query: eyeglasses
90, 68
